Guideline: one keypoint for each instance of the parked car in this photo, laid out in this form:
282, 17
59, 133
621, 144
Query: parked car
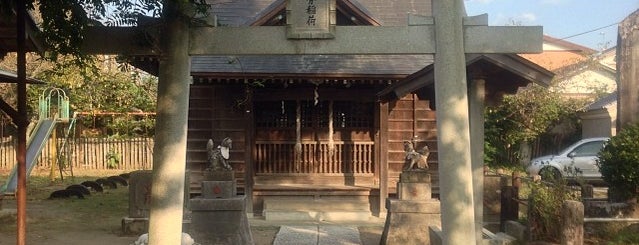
577, 160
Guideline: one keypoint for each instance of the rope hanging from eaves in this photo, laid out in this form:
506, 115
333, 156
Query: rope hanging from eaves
298, 136
331, 142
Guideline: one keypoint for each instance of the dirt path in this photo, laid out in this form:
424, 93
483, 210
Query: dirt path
97, 218
54, 226
48, 222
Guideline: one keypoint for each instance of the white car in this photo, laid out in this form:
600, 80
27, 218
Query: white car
577, 160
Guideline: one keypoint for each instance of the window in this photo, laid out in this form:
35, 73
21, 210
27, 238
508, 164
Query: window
282, 114
314, 115
588, 149
275, 114
352, 114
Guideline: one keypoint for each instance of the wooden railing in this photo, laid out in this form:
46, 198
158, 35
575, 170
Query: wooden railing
276, 157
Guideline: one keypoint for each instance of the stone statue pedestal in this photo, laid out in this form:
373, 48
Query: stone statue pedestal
219, 216
218, 176
412, 212
137, 222
139, 203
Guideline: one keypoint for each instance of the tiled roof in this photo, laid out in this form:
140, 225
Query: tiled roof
311, 64
555, 60
10, 77
391, 13
237, 12
603, 102
245, 12
395, 13
561, 54
568, 45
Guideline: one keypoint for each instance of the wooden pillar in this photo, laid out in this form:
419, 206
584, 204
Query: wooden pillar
382, 152
22, 123
477, 98
169, 153
249, 165
453, 131
53, 149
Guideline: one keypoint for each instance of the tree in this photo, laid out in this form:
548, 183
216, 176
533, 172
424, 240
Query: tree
619, 163
105, 87
34, 66
522, 118
64, 22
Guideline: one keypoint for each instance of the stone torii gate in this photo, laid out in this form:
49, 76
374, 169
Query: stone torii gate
448, 35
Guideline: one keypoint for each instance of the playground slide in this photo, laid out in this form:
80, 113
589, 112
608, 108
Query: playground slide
36, 142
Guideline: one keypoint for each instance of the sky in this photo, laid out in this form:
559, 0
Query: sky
563, 19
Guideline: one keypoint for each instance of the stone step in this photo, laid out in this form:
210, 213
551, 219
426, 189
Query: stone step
498, 238
320, 235
306, 209
342, 216
307, 204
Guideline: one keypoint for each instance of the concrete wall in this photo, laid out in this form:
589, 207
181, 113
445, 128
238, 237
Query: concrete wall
599, 123
596, 124
590, 81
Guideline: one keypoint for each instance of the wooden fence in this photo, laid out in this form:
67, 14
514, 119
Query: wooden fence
87, 153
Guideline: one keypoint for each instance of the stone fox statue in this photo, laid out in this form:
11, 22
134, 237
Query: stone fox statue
419, 158
218, 156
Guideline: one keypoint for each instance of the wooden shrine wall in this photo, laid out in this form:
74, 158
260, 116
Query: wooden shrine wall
408, 118
215, 114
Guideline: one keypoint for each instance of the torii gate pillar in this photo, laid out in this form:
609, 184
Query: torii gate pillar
453, 129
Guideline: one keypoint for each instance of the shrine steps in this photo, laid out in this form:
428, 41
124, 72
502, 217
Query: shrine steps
315, 210
315, 203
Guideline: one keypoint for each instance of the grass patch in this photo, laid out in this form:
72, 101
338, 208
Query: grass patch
617, 234
98, 211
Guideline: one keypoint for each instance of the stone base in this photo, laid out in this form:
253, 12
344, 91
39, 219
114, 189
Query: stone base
218, 175
219, 189
139, 226
435, 235
414, 185
516, 230
407, 221
140, 193
414, 191
220, 221
135, 226
414, 176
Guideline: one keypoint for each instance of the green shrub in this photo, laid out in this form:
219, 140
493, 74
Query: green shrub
544, 214
619, 162
626, 235
113, 159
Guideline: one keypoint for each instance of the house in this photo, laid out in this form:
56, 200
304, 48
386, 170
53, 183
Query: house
325, 127
599, 119
583, 73
580, 71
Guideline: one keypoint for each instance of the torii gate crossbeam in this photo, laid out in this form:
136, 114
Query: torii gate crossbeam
271, 40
